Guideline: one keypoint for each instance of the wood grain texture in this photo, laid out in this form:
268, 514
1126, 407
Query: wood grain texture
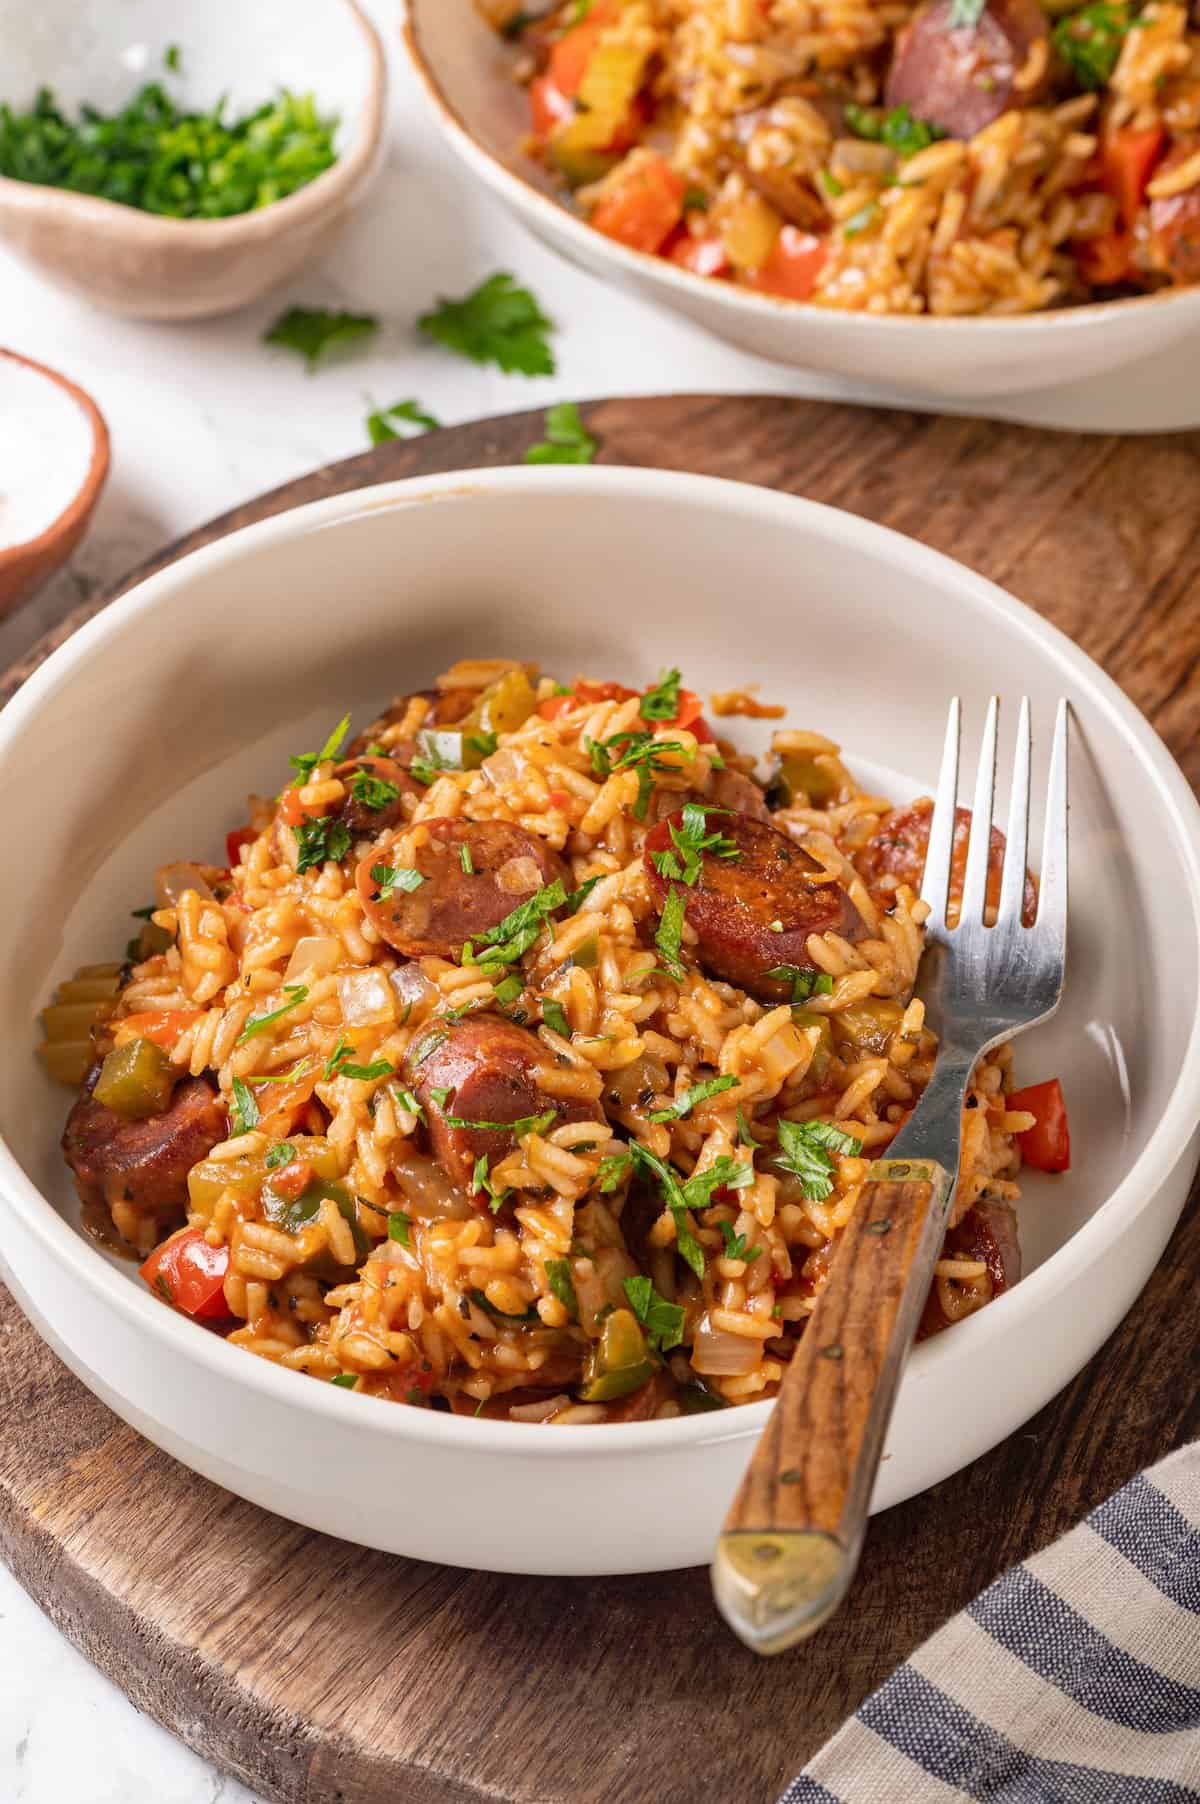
323, 1674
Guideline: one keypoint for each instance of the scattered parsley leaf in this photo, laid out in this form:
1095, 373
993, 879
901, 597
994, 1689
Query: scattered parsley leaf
858, 222
966, 14
695, 200
662, 1321
567, 439
320, 838
613, 1170
282, 1154
305, 763
507, 990
258, 1024
245, 1107
346, 1381
562, 1285
690, 841
407, 1101
669, 938
577, 897
661, 700
736, 1245
374, 793
400, 1227
899, 130
313, 331
1090, 41
172, 59
409, 413
367, 1074
516, 933
525, 1124
745, 1137
804, 1149
683, 1105
496, 323
805, 983
395, 878
833, 188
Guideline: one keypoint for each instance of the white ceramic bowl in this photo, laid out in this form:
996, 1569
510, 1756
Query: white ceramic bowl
466, 73
202, 697
94, 51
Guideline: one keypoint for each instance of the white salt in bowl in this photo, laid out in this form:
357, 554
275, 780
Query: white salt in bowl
54, 458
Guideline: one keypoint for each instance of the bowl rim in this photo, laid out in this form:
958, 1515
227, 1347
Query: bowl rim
110, 216
1166, 1147
525, 194
88, 493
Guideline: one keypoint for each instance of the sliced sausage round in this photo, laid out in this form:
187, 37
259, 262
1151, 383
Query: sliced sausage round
371, 807
446, 708
144, 1163
753, 911
730, 789
481, 1072
987, 1232
961, 77
897, 853
473, 874
1174, 240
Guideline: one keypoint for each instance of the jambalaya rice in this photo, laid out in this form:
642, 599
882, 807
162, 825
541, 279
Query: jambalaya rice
528, 1055
949, 157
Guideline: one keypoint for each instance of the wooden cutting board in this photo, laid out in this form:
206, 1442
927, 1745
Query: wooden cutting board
320, 1673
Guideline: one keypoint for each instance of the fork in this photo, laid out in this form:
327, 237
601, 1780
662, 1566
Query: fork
792, 1539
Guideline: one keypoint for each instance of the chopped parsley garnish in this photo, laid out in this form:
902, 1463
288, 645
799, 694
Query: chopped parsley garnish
407, 1101
345, 1381
465, 859
804, 1149
577, 897
400, 1227
833, 188
695, 200
340, 1064
966, 14
374, 793
441, 1093
899, 130
428, 1044
737, 1246
681, 1194
562, 1285
555, 1017
320, 838
312, 332
662, 1321
527, 1315
507, 990
515, 934
567, 439
499, 323
258, 1024
305, 763
690, 842
245, 1107
407, 413
858, 222
483, 743
804, 983
661, 702
525, 1124
683, 1105
283, 1154
745, 1137
669, 938
640, 752
1090, 41
394, 879
172, 59
156, 156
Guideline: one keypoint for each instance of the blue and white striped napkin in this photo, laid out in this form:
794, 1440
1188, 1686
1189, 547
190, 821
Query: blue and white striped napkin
1074, 1679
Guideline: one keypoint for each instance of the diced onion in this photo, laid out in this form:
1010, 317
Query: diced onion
411, 986
428, 1193
863, 156
173, 881
367, 999
517, 876
718, 1354
316, 955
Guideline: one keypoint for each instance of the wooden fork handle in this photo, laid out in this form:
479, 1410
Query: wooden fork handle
792, 1539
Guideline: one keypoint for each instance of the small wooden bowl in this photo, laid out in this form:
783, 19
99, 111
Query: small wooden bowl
25, 567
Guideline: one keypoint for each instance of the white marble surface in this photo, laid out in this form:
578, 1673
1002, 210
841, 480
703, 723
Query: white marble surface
203, 416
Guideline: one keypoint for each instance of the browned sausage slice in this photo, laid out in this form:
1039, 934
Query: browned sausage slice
988, 1231
897, 853
454, 904
144, 1163
370, 808
754, 911
1174, 242
961, 77
446, 708
481, 1070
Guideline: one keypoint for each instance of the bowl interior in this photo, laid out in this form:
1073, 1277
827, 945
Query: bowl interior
100, 51
141, 741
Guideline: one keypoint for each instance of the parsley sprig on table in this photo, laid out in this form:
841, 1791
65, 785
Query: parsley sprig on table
155, 156
383, 422
312, 332
499, 323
